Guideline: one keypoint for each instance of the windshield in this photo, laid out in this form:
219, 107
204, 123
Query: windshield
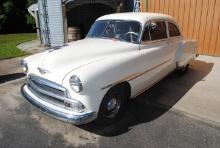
128, 31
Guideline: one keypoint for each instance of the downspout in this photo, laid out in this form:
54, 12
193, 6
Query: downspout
65, 22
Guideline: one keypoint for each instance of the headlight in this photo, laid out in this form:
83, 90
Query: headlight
75, 105
75, 84
24, 66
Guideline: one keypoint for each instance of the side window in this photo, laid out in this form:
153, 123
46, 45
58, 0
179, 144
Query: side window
173, 30
155, 31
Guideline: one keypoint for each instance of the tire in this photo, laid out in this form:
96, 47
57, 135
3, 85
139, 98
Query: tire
112, 106
183, 70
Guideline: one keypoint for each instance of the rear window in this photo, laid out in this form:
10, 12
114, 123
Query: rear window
173, 30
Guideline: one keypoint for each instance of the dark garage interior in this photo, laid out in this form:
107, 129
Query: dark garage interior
82, 17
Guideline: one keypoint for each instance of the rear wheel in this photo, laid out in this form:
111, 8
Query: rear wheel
183, 70
112, 106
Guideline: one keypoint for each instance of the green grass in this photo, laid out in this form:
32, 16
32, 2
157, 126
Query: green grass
8, 43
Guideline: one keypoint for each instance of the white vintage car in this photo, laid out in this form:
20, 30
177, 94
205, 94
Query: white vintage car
123, 55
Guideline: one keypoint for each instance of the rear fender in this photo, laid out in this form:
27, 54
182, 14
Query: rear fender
186, 52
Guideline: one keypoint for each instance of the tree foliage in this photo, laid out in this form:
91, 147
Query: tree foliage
29, 19
14, 16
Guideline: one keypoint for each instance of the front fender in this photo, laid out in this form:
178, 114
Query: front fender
98, 77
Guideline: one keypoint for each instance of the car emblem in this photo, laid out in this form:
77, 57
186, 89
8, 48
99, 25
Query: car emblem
42, 71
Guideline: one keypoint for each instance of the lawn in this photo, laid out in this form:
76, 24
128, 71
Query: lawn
8, 43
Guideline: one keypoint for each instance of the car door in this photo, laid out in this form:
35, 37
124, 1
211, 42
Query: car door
155, 54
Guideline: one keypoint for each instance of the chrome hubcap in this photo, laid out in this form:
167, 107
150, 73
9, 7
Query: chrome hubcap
113, 106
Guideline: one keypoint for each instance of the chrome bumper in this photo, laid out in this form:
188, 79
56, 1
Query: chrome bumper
76, 119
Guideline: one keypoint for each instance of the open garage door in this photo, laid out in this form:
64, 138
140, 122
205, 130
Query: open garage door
83, 16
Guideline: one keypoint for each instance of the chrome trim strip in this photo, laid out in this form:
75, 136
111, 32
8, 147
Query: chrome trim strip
135, 75
150, 86
121, 80
151, 69
72, 118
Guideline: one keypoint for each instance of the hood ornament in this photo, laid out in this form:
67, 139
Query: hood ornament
42, 71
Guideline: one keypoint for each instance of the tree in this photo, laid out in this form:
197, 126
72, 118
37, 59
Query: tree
29, 19
13, 16
5, 10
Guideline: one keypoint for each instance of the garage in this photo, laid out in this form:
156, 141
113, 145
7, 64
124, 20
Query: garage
62, 21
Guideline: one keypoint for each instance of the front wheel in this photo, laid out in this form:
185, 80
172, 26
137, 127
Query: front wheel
111, 106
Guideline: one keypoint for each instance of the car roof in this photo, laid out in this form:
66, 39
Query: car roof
142, 17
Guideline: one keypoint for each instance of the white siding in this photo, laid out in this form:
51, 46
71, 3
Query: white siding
55, 22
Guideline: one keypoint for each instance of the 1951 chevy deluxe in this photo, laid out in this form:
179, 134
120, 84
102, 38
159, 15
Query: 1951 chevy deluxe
123, 55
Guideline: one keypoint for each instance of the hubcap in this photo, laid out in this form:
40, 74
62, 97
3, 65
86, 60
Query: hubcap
113, 106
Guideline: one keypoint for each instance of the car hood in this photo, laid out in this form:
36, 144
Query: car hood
59, 62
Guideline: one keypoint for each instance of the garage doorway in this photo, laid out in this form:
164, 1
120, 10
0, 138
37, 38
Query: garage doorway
82, 17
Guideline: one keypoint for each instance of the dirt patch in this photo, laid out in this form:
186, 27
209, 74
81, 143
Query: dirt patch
10, 101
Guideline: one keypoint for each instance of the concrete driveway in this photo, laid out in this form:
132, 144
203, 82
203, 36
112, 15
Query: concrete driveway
178, 112
197, 93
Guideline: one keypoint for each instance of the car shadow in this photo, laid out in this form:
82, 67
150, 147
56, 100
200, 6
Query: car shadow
10, 77
143, 109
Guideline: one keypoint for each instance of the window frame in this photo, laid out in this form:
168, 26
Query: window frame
159, 40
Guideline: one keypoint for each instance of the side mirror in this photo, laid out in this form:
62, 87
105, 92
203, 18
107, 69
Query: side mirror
152, 26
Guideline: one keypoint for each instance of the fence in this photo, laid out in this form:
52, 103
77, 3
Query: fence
198, 19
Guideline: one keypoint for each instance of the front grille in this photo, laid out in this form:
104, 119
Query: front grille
47, 90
